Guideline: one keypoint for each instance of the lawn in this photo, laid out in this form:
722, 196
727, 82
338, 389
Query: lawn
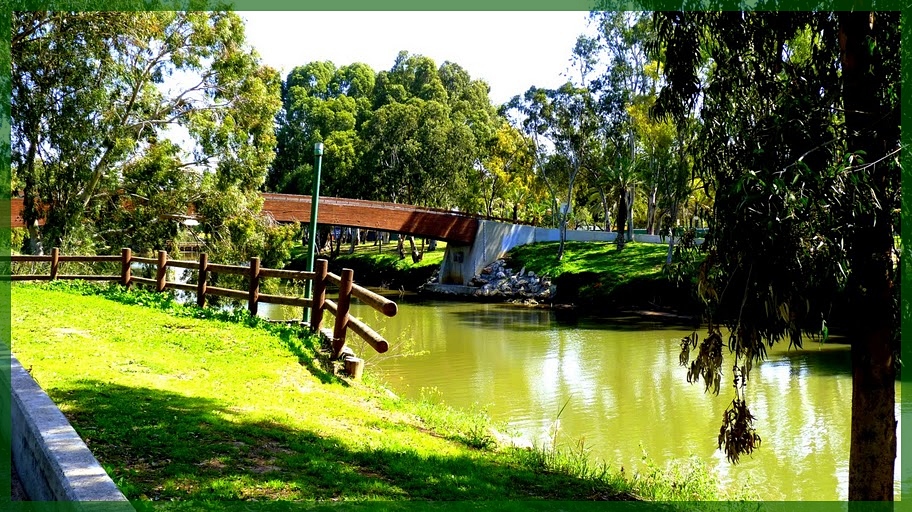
595, 276
635, 261
380, 265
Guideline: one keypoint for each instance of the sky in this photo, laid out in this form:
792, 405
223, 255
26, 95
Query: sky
511, 51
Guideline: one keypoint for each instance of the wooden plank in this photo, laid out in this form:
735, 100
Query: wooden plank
161, 273
378, 302
143, 280
201, 280
319, 295
88, 278
227, 292
28, 258
55, 262
126, 254
333, 278
147, 261
297, 275
89, 259
228, 269
253, 293
29, 278
342, 317
331, 306
192, 265
286, 301
181, 286
368, 335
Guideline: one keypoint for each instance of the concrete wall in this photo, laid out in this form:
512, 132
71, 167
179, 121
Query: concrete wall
494, 239
53, 462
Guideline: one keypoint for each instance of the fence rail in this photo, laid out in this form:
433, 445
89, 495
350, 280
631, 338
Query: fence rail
321, 277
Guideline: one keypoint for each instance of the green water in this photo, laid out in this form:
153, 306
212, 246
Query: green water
626, 395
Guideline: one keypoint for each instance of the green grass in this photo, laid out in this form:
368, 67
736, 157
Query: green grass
389, 257
596, 276
199, 406
636, 260
380, 265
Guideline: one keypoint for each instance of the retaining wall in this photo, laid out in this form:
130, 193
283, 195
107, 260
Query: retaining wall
53, 462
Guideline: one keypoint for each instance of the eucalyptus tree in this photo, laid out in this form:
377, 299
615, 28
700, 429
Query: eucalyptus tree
322, 103
94, 95
427, 132
799, 140
568, 120
619, 59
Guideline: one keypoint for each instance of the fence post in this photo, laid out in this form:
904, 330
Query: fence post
201, 282
162, 271
126, 255
319, 295
55, 262
345, 288
254, 286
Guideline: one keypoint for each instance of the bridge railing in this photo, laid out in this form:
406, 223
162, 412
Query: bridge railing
321, 278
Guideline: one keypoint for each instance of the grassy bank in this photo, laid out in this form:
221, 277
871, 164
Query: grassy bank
595, 275
380, 265
195, 407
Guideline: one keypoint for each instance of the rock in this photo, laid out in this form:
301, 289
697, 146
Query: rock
496, 280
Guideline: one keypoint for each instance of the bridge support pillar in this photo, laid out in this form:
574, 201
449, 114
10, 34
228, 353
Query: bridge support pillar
493, 240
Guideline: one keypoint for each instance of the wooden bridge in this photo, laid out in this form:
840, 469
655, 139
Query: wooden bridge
336, 211
397, 218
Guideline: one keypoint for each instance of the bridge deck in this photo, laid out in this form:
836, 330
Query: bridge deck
400, 218
337, 211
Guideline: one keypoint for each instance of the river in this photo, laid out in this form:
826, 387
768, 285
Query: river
626, 395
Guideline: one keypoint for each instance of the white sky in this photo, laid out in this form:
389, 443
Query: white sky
511, 51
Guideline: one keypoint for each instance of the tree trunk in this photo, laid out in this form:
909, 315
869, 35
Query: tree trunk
400, 247
651, 210
355, 240
630, 213
416, 255
606, 208
35, 246
873, 445
338, 239
622, 218
562, 230
671, 238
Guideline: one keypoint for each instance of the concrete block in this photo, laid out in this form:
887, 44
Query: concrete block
53, 462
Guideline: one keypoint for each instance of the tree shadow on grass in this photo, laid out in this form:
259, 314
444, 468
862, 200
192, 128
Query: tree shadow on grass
199, 452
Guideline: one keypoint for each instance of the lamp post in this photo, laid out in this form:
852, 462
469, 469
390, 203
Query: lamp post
312, 240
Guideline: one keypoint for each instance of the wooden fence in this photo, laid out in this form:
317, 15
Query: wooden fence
254, 273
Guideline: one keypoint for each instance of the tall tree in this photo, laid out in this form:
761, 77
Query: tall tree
620, 48
322, 103
568, 120
89, 97
800, 140
426, 132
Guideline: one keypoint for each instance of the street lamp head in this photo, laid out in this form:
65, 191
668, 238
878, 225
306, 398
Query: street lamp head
318, 149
